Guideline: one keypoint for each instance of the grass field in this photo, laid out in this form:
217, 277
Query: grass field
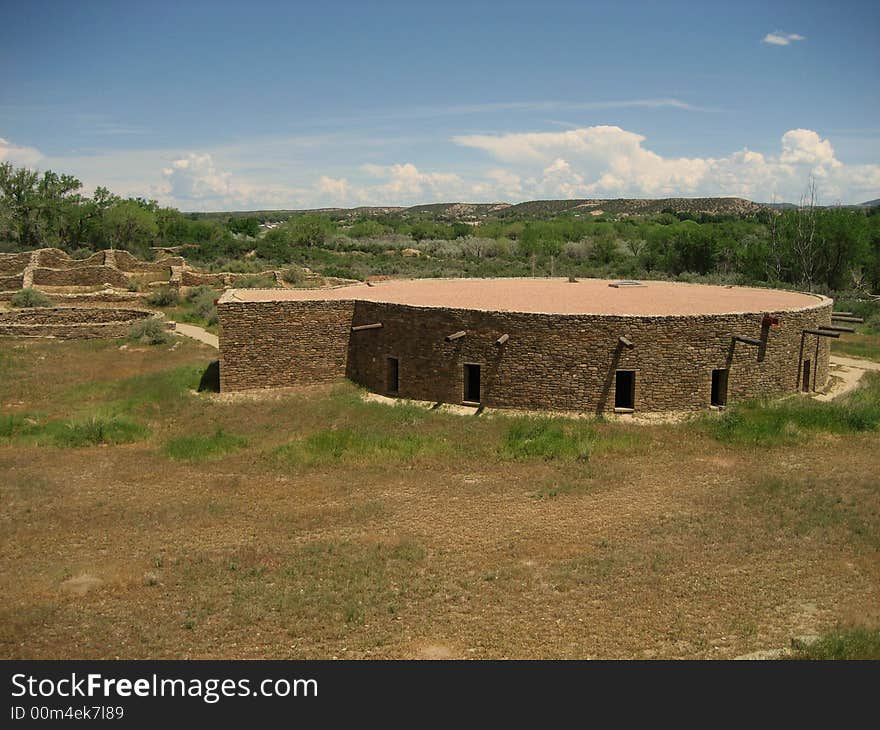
142, 519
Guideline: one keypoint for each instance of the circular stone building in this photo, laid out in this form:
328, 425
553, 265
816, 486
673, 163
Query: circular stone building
588, 345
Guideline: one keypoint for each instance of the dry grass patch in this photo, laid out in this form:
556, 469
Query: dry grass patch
313, 525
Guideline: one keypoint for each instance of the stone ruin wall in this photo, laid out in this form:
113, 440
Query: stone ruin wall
68, 323
564, 362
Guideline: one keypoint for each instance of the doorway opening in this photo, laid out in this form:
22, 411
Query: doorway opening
471, 383
625, 389
806, 380
719, 387
392, 375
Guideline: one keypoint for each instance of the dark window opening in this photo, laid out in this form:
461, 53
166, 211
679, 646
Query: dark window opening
806, 380
719, 387
625, 389
472, 383
392, 375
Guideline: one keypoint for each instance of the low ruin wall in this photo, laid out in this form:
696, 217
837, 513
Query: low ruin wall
70, 323
14, 263
84, 276
11, 282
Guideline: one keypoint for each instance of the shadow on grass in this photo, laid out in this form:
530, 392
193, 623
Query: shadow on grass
210, 380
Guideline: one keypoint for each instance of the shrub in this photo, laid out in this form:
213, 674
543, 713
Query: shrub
149, 332
256, 282
163, 297
201, 301
197, 293
294, 276
30, 298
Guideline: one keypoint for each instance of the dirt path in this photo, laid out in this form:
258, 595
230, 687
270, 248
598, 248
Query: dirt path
849, 370
197, 333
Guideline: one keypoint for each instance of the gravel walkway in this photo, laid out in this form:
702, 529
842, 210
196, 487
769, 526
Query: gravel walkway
197, 333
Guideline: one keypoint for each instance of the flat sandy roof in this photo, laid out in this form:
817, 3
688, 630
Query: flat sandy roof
551, 296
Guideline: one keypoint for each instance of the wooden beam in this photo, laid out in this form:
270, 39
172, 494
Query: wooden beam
501, 340
626, 342
844, 314
832, 328
455, 336
845, 318
747, 340
362, 327
822, 333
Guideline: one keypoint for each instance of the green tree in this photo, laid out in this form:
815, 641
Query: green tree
130, 225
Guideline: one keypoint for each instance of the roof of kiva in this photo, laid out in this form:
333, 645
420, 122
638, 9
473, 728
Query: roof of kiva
552, 296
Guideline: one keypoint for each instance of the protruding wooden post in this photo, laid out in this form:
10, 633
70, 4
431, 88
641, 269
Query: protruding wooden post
455, 336
747, 340
501, 340
626, 342
832, 328
822, 333
846, 318
362, 327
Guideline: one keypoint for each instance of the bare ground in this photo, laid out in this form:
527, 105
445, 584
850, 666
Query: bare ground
675, 547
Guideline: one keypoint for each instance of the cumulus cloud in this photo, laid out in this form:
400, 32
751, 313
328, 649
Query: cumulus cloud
195, 177
17, 155
194, 182
407, 182
776, 38
609, 161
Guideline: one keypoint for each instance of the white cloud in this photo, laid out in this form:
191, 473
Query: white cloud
610, 161
27, 156
407, 182
194, 182
776, 38
195, 177
585, 162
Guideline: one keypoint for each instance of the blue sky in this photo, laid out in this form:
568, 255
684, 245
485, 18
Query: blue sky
211, 105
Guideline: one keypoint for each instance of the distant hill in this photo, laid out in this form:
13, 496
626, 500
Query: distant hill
869, 203
476, 212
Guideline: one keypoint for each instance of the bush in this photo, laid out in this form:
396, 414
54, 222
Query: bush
197, 293
256, 282
164, 297
30, 298
294, 276
149, 332
201, 300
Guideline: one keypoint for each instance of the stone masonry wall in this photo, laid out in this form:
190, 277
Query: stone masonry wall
83, 276
569, 361
274, 344
563, 362
8, 283
14, 263
71, 322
